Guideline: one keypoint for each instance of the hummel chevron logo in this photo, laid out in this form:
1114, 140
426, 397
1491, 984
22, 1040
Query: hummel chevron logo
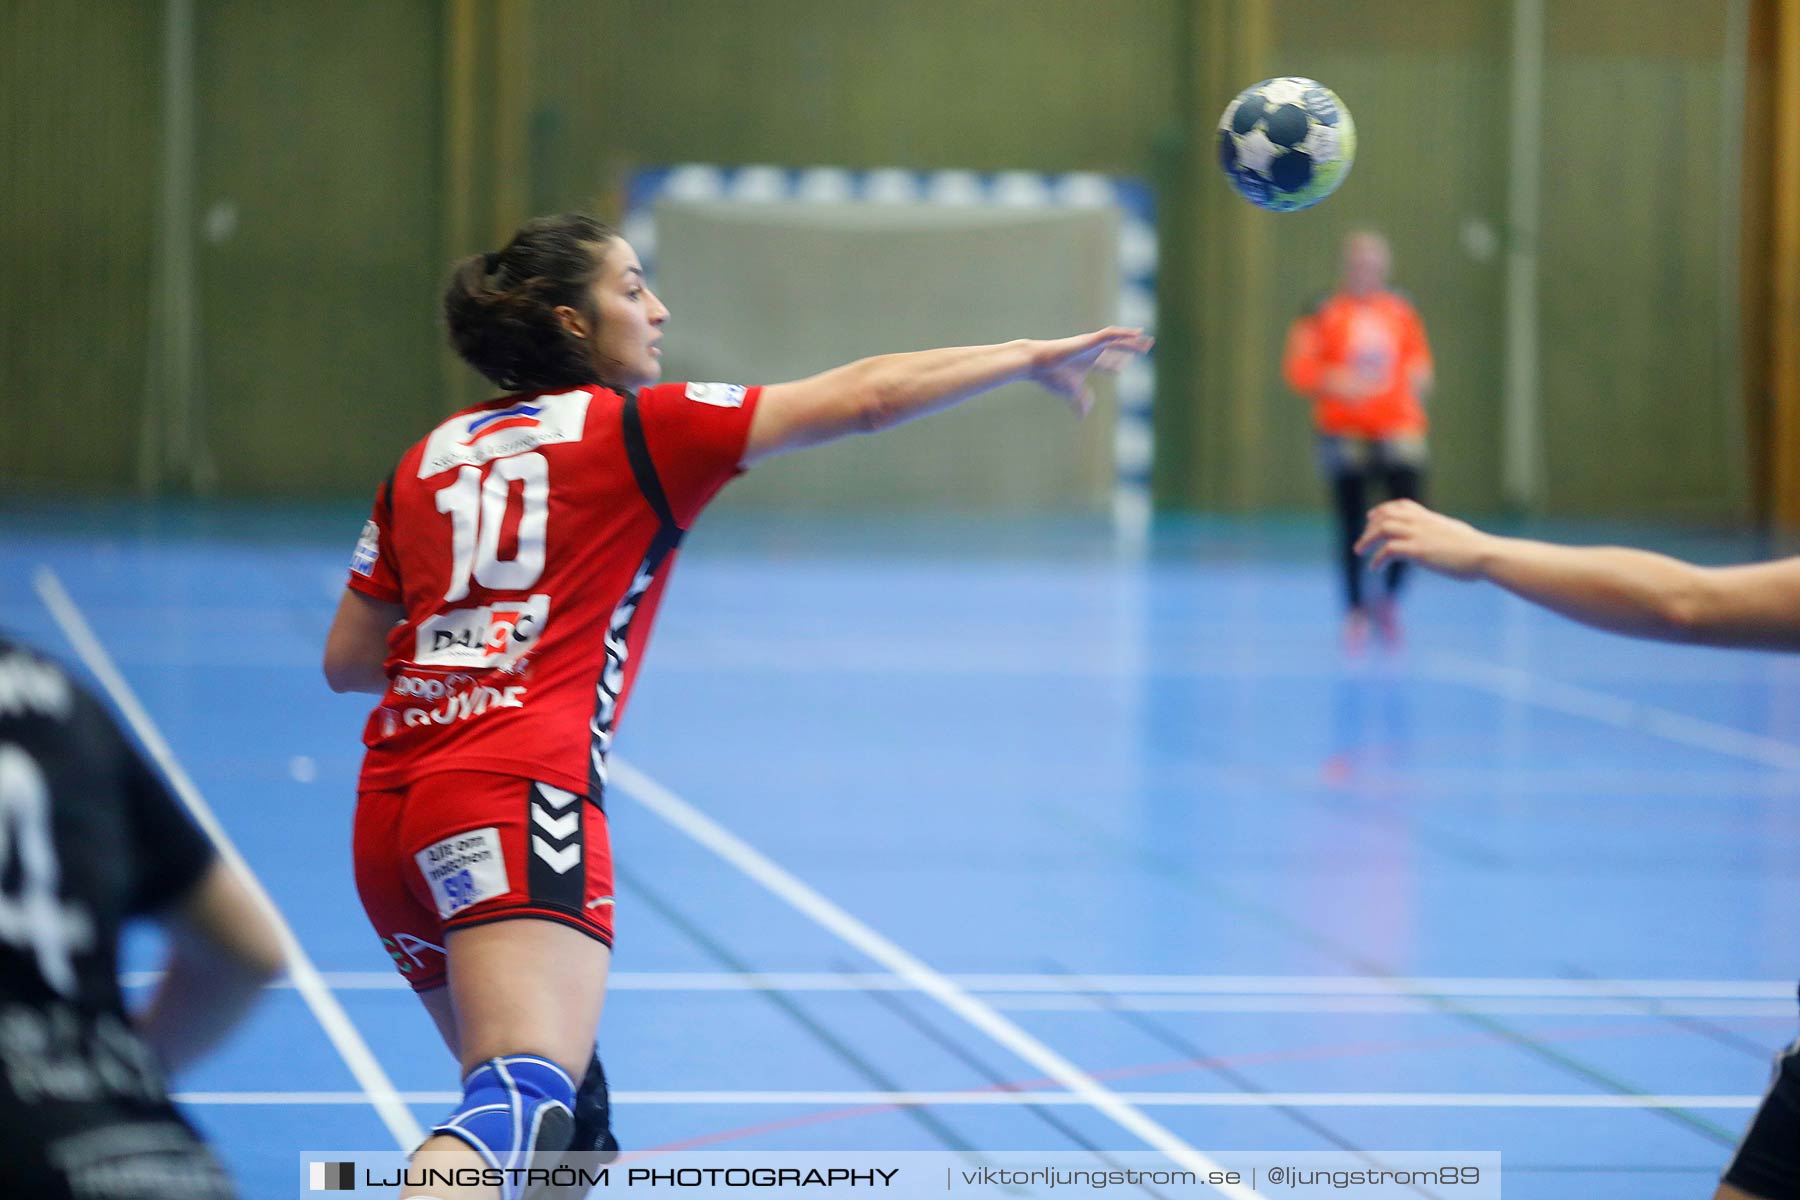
558, 860
555, 797
546, 801
561, 828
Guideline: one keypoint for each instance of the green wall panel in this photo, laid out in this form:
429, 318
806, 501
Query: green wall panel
322, 205
1640, 410
319, 134
78, 131
1040, 85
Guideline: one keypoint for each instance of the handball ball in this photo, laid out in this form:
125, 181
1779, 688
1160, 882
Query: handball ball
1286, 143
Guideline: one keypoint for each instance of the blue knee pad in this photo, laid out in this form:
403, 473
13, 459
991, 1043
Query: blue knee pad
511, 1107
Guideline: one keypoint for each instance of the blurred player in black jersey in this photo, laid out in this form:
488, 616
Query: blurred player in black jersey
1755, 606
90, 837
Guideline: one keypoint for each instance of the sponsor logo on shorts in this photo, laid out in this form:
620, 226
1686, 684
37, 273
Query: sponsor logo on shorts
491, 635
464, 870
368, 549
404, 949
719, 395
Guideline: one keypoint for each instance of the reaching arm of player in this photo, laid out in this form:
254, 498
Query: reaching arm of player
1633, 592
224, 946
356, 647
878, 393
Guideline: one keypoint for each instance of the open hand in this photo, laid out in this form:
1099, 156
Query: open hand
1063, 365
1405, 530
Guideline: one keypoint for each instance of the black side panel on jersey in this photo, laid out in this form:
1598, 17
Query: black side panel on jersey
387, 518
387, 500
618, 626
637, 449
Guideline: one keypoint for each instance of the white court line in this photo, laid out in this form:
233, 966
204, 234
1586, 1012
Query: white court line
1514, 683
378, 1089
1301, 985
1210, 993
996, 1099
740, 854
1508, 682
1642, 999
1422, 1006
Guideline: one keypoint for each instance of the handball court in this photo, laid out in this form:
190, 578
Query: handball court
905, 811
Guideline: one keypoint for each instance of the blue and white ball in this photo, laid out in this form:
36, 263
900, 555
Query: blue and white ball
1286, 143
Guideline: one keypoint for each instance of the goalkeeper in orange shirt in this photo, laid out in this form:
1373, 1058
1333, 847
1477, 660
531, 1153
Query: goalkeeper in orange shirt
1360, 355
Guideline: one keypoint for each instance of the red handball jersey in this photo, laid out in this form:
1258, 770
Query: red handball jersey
529, 540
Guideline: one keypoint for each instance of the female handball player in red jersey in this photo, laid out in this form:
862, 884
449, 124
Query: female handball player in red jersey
499, 602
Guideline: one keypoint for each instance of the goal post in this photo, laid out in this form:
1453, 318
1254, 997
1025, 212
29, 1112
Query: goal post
775, 273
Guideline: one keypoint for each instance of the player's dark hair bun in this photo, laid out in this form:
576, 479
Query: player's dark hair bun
500, 306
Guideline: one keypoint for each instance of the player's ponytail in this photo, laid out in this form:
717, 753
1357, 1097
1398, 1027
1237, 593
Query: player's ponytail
501, 306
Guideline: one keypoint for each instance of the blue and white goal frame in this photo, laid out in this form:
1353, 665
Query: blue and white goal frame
1134, 442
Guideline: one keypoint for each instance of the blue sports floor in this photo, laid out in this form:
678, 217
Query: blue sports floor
1520, 887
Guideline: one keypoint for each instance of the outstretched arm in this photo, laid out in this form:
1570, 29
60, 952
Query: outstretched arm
223, 948
1633, 592
878, 393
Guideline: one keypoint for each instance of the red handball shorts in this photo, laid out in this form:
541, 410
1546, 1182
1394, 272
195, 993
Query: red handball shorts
461, 848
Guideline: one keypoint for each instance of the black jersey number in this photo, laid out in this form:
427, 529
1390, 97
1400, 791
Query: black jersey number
32, 917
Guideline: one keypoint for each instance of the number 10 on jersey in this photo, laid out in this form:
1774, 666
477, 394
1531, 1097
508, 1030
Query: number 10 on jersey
478, 508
